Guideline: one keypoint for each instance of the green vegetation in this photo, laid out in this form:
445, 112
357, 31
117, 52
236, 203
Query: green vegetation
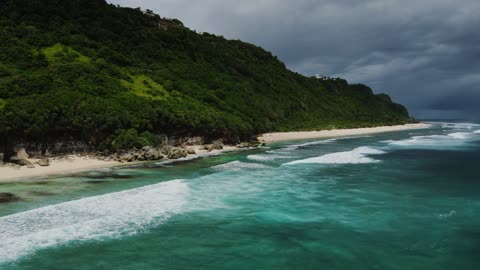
143, 86
58, 51
87, 70
2, 103
127, 139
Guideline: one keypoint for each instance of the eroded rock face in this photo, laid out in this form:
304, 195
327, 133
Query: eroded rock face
22, 154
127, 158
216, 145
177, 153
251, 144
8, 197
194, 141
153, 154
167, 149
22, 162
191, 151
44, 162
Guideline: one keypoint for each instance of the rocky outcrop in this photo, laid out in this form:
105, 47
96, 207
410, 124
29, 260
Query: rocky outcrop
251, 144
22, 154
127, 157
216, 145
166, 149
177, 152
192, 141
22, 162
172, 148
45, 162
153, 154
62, 147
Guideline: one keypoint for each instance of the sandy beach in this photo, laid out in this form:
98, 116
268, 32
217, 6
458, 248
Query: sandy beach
70, 164
287, 136
74, 163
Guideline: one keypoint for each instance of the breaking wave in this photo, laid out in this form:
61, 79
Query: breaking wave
289, 148
294, 146
267, 157
452, 139
357, 156
238, 165
95, 218
459, 125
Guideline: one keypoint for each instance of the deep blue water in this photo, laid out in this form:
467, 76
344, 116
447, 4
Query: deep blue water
403, 200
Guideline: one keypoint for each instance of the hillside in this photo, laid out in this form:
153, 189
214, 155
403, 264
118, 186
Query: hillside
102, 74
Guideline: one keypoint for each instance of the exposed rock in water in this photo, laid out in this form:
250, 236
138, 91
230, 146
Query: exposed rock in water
191, 151
177, 152
44, 162
8, 197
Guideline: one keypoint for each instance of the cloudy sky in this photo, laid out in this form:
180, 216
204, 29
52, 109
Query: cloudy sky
424, 53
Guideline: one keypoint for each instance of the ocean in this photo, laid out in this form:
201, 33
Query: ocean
402, 200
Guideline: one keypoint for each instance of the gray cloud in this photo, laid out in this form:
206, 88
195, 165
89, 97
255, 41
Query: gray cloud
424, 53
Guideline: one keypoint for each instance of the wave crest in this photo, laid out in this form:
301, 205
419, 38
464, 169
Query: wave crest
452, 139
267, 157
459, 125
101, 217
238, 165
356, 156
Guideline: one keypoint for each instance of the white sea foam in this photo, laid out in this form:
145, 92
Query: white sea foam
357, 156
460, 135
452, 139
292, 147
238, 165
477, 132
311, 143
267, 157
95, 218
448, 215
459, 125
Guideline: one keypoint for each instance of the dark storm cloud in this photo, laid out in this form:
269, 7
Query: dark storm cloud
425, 53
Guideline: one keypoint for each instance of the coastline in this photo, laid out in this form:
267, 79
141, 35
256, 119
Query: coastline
303, 135
70, 164
74, 163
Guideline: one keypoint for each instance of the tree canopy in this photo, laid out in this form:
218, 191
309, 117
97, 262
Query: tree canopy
92, 71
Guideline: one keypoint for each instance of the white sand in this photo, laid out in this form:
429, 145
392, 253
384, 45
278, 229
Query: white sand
60, 166
73, 164
287, 136
78, 163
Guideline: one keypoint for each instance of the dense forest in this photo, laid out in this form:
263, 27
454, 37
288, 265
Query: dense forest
96, 72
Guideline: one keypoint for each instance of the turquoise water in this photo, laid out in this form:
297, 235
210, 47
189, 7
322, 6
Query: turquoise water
404, 200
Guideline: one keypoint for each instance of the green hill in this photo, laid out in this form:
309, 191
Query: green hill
91, 71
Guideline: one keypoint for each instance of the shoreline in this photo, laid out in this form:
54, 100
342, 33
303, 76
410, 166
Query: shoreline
303, 135
70, 164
